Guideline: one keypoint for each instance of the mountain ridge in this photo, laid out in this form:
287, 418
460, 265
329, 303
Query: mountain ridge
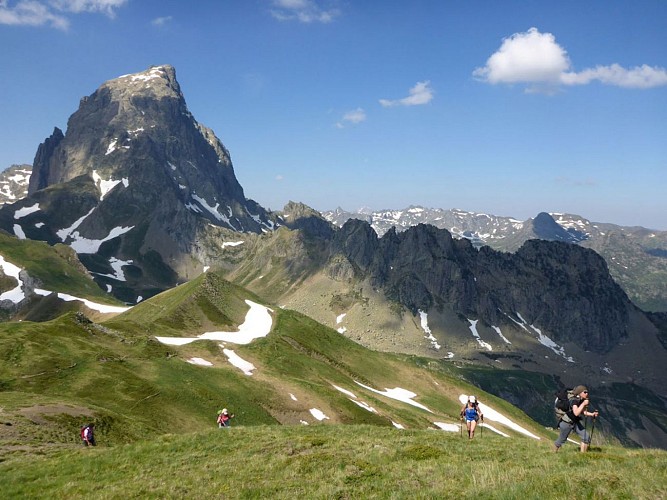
635, 255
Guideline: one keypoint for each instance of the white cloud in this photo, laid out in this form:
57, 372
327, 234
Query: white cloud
355, 116
30, 13
77, 6
421, 93
303, 11
640, 77
535, 59
531, 57
161, 21
42, 12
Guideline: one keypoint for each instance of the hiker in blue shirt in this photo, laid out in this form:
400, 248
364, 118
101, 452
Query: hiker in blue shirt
571, 421
471, 414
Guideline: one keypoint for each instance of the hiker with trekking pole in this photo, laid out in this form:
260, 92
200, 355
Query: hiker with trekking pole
471, 414
571, 408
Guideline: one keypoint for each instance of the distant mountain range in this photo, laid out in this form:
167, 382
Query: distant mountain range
636, 256
141, 198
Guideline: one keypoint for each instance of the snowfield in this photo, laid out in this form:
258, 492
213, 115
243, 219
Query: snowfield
257, 324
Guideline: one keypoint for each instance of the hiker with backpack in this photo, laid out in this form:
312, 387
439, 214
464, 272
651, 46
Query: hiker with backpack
224, 418
471, 414
88, 435
571, 409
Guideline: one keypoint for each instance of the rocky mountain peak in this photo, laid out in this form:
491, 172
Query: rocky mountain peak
159, 81
123, 113
300, 216
136, 168
545, 227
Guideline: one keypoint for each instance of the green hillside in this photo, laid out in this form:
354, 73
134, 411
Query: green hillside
336, 461
59, 374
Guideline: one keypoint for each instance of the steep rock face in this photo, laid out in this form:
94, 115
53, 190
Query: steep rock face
46, 159
431, 268
159, 181
138, 126
358, 242
561, 288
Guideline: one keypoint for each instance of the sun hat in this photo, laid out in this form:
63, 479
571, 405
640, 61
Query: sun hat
472, 399
579, 389
224, 411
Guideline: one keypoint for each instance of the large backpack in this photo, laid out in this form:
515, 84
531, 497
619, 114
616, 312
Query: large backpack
83, 432
562, 406
475, 405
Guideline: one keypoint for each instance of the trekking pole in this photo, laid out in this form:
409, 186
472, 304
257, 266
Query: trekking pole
461, 426
481, 427
593, 428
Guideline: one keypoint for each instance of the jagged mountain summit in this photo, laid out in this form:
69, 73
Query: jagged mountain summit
14, 183
133, 185
636, 256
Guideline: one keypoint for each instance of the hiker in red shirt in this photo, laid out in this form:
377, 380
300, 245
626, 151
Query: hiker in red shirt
88, 435
224, 418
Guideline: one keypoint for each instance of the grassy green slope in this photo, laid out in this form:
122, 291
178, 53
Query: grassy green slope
57, 375
205, 303
327, 461
131, 386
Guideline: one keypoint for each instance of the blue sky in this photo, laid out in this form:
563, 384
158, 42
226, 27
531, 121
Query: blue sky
509, 108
